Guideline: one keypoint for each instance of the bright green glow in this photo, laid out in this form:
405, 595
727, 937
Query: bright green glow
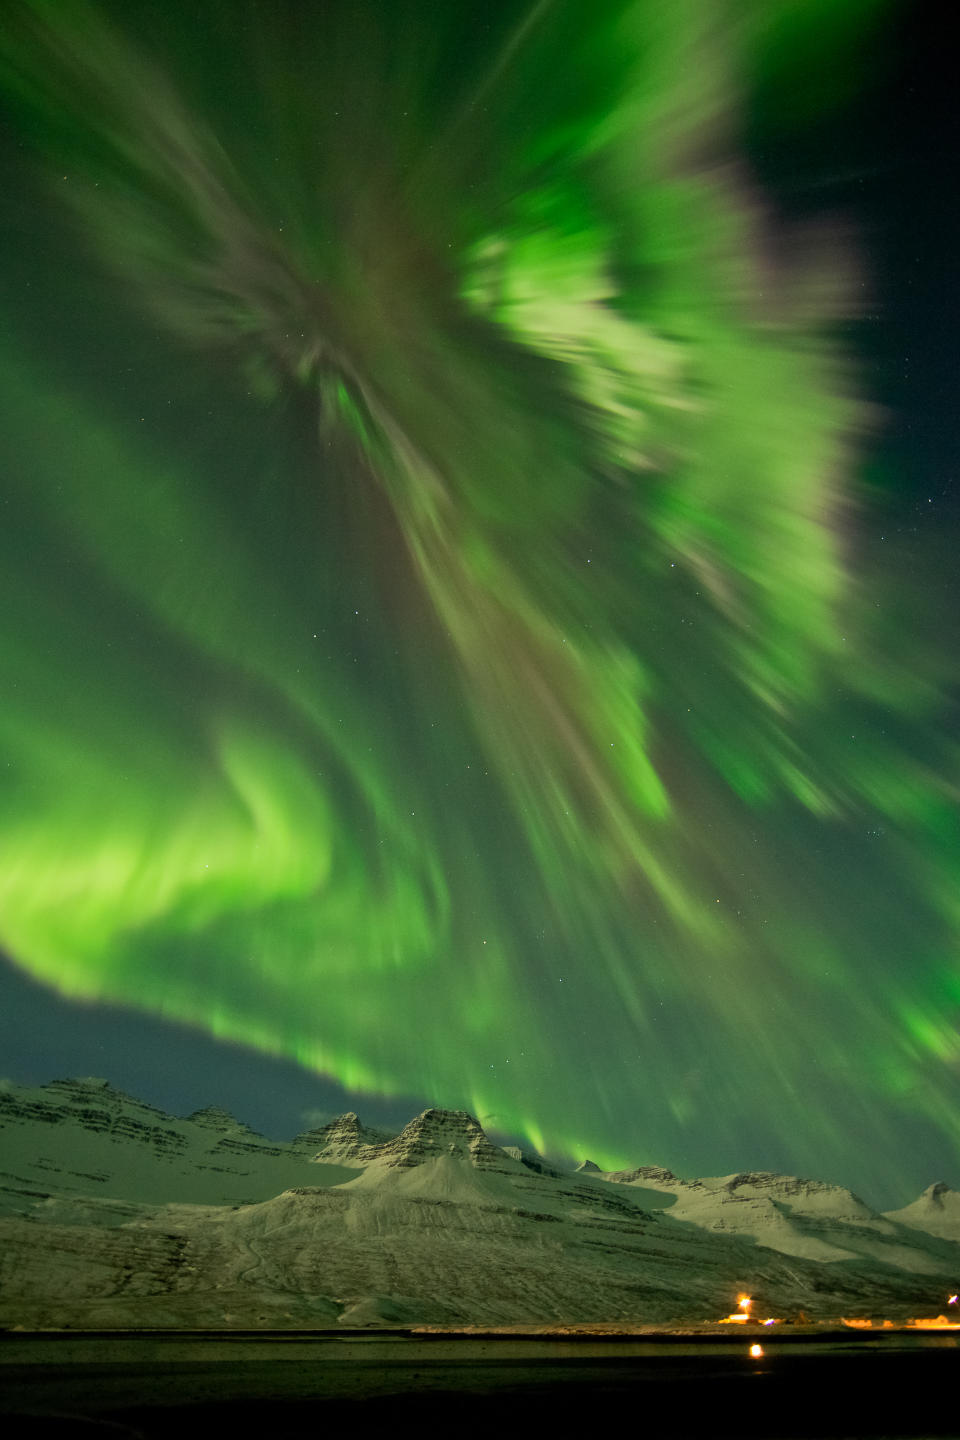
443, 662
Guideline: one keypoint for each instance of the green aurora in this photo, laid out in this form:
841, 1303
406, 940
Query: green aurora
444, 637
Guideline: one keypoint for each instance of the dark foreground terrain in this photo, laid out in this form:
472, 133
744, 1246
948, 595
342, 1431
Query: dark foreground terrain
292, 1385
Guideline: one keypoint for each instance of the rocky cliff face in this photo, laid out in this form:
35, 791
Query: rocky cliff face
434, 1225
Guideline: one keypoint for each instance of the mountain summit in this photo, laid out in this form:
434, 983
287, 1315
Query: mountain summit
442, 1132
343, 1141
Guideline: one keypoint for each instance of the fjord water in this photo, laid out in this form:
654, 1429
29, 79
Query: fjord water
157, 1384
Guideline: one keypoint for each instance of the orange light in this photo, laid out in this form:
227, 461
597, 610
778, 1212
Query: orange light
744, 1302
939, 1322
756, 1351
737, 1318
857, 1324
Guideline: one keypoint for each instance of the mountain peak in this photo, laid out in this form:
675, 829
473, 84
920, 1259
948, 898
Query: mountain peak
82, 1084
652, 1174
436, 1132
214, 1117
936, 1210
91, 1089
937, 1192
587, 1167
435, 1117
344, 1138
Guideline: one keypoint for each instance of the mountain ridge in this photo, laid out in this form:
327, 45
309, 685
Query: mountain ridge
112, 1212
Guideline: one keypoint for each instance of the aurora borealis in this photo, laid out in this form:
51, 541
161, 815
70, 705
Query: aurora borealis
457, 623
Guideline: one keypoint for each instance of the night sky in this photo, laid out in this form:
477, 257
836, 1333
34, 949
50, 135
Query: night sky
478, 602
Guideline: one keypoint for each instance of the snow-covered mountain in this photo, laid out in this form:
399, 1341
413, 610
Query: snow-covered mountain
807, 1218
936, 1211
73, 1141
114, 1213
